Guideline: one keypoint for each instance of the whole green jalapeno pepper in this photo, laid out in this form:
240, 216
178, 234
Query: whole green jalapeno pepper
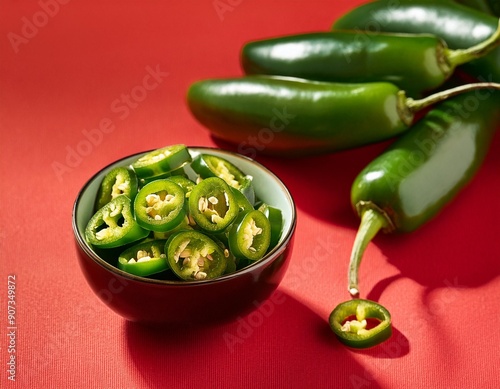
144, 259
303, 116
481, 5
361, 323
114, 225
409, 183
458, 25
415, 63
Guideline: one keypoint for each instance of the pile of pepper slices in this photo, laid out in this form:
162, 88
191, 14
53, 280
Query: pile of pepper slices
363, 82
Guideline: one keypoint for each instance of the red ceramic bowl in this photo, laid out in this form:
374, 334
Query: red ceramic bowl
146, 300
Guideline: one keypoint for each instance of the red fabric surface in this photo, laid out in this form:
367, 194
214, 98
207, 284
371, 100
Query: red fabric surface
65, 69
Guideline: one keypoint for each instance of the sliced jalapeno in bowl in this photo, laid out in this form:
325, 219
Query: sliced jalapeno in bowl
144, 259
360, 323
114, 225
207, 165
250, 235
161, 161
212, 204
120, 180
275, 217
159, 206
192, 255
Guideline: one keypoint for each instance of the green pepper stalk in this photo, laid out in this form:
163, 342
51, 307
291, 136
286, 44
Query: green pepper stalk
421, 172
415, 63
303, 117
458, 25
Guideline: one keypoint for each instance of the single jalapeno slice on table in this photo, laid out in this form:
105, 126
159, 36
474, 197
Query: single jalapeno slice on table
192, 256
212, 205
360, 323
250, 235
161, 161
207, 165
120, 180
159, 206
114, 225
144, 259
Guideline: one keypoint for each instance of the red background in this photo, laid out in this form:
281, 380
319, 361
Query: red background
440, 283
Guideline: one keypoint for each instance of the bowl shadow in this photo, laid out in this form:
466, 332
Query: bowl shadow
269, 345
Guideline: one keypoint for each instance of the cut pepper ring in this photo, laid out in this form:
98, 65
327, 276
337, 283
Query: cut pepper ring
360, 323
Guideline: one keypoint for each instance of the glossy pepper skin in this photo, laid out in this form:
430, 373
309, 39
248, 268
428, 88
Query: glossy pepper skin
491, 7
292, 116
416, 63
460, 26
298, 116
423, 171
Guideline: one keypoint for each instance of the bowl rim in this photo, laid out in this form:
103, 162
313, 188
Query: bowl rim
269, 257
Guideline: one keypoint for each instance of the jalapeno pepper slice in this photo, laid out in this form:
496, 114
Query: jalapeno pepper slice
212, 205
185, 183
144, 259
250, 235
193, 256
360, 323
275, 217
120, 180
207, 165
161, 161
159, 206
114, 225
241, 200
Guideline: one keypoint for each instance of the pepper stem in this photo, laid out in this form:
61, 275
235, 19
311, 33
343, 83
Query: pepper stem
372, 221
460, 56
413, 106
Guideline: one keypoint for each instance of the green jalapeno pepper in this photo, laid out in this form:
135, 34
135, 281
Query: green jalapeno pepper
415, 63
212, 205
161, 161
305, 116
410, 182
119, 181
242, 201
485, 6
361, 323
185, 183
458, 25
159, 205
207, 165
275, 217
114, 225
144, 259
193, 255
250, 235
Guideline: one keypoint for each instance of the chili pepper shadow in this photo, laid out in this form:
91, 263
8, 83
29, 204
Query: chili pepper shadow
277, 345
321, 184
